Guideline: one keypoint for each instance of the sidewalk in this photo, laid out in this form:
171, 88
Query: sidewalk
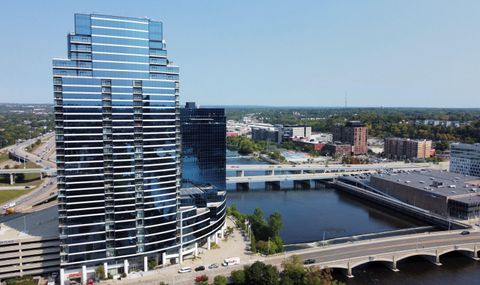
234, 246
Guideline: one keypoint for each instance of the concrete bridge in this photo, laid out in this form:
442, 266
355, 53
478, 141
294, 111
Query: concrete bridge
12, 172
303, 175
274, 169
300, 181
389, 251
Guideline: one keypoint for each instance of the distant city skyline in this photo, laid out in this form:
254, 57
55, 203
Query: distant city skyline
383, 54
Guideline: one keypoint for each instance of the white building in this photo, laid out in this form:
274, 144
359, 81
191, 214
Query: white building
297, 131
465, 159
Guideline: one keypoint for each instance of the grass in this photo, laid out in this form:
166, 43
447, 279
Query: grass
7, 195
31, 179
30, 164
4, 156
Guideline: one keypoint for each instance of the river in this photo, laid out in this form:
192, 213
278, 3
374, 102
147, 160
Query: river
311, 215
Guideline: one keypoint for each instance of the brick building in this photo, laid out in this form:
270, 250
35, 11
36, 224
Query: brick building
354, 133
400, 148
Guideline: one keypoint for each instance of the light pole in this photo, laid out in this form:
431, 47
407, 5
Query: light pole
268, 245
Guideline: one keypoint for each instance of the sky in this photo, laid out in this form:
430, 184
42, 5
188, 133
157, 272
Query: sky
423, 53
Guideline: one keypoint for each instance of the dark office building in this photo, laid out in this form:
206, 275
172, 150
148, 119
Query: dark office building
203, 146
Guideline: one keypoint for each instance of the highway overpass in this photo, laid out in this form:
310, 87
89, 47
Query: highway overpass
12, 172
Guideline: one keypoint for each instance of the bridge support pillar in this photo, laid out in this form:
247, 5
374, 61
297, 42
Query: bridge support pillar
473, 255
301, 184
240, 173
41, 176
272, 185
243, 186
349, 271
12, 178
105, 270
270, 172
318, 184
393, 265
435, 259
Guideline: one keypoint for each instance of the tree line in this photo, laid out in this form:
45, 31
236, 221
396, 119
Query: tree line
265, 236
381, 122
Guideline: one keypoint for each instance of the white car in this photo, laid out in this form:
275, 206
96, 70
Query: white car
185, 270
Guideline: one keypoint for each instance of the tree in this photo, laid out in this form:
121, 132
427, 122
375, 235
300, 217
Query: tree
151, 264
316, 276
220, 280
100, 272
293, 270
275, 223
253, 245
258, 215
237, 277
261, 274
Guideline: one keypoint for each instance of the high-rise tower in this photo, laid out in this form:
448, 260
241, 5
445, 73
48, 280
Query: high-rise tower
117, 136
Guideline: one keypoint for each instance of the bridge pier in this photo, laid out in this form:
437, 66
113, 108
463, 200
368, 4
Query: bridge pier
240, 173
272, 185
393, 265
434, 259
349, 271
301, 184
270, 172
318, 184
12, 178
473, 255
243, 186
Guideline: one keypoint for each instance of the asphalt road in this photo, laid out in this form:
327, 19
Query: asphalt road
48, 185
320, 254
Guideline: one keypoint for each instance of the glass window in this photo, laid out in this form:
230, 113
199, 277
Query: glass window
82, 24
115, 24
155, 29
154, 44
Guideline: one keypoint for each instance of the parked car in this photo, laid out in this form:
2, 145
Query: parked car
213, 266
200, 268
185, 270
231, 261
465, 233
309, 261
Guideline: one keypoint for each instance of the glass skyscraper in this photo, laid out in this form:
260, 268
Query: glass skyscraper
203, 145
118, 152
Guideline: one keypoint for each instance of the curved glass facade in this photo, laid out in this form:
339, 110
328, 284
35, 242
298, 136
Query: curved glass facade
118, 148
116, 102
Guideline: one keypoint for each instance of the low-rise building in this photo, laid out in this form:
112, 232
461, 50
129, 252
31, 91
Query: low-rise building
30, 245
267, 133
322, 137
338, 149
401, 148
297, 131
444, 193
465, 158
308, 145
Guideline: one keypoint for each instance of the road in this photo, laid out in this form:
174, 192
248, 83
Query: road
290, 177
322, 255
331, 167
383, 246
43, 158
